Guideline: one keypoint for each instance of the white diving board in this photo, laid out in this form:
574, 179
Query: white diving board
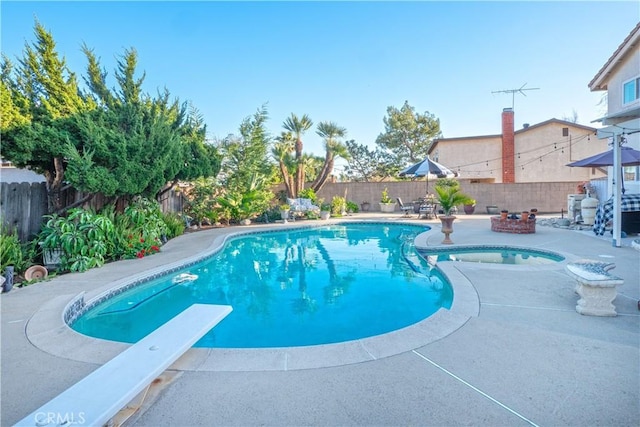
98, 397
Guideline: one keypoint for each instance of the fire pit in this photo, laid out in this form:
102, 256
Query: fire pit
516, 226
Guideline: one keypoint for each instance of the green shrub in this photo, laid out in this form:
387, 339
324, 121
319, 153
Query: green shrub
141, 226
312, 214
270, 215
237, 205
447, 182
352, 207
309, 193
201, 199
175, 224
12, 252
338, 205
85, 238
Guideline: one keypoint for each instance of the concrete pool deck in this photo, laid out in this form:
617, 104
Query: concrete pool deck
523, 356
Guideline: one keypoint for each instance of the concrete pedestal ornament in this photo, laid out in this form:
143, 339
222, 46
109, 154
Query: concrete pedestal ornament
596, 287
447, 228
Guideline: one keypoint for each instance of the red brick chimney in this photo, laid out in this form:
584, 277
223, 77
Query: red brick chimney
508, 146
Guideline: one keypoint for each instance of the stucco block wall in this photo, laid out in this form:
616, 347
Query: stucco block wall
547, 197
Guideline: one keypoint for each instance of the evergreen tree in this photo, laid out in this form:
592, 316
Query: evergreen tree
45, 93
408, 134
132, 144
246, 173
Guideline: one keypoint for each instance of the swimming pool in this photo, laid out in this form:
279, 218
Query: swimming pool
289, 288
491, 255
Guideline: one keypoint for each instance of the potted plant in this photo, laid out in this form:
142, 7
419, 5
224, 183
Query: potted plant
365, 206
386, 204
470, 207
325, 211
449, 197
504, 213
284, 211
50, 241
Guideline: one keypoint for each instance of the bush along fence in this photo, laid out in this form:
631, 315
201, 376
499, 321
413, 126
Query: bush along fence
23, 206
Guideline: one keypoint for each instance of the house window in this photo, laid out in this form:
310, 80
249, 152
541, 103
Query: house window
631, 90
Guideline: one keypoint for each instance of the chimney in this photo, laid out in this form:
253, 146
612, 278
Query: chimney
508, 146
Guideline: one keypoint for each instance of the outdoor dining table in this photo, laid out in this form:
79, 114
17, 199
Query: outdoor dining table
604, 213
428, 208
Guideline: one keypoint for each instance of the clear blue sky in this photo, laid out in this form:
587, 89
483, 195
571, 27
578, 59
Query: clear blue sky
347, 61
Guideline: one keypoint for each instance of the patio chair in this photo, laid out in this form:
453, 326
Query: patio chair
403, 207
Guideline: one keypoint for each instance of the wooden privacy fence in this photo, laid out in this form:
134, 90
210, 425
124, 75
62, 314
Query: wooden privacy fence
23, 205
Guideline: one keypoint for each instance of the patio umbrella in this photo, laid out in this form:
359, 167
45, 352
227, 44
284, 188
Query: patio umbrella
429, 169
628, 157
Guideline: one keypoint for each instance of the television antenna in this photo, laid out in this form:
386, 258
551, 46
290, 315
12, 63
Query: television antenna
513, 92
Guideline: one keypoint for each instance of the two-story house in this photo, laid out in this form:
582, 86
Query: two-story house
534, 153
620, 78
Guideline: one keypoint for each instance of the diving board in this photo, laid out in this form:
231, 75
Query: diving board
95, 399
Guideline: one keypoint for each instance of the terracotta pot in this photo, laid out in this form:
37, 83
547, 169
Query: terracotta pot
503, 214
36, 272
525, 215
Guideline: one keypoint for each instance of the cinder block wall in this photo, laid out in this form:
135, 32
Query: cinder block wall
547, 197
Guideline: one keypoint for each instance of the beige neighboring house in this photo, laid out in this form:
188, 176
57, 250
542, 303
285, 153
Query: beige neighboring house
535, 153
620, 78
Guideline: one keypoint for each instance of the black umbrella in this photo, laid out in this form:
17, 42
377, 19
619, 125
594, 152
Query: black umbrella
428, 168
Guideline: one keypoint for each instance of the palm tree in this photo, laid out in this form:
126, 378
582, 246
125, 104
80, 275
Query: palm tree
281, 151
312, 166
450, 196
331, 133
298, 126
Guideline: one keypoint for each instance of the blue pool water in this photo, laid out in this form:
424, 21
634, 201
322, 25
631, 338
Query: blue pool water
491, 255
289, 288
